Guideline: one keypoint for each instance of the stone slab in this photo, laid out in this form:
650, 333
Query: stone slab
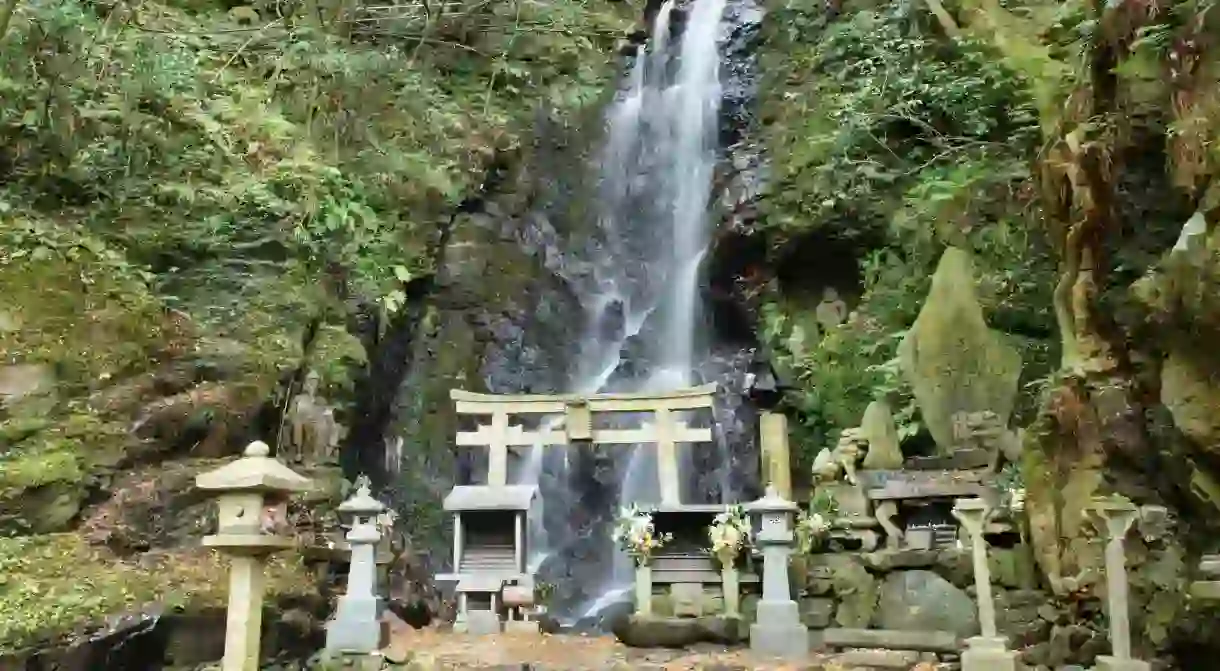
961, 459
878, 659
1106, 663
1209, 566
890, 639
926, 490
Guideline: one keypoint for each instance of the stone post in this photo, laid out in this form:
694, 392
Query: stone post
986, 652
1118, 517
245, 489
777, 629
730, 581
643, 589
356, 627
773, 440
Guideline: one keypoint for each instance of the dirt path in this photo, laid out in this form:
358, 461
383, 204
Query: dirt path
434, 649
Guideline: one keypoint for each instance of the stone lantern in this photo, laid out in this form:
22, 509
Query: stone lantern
986, 652
777, 629
250, 492
356, 627
1117, 516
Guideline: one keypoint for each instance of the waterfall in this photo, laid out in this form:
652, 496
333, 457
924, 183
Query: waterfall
642, 302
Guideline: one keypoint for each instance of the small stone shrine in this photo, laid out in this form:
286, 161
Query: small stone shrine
489, 552
250, 491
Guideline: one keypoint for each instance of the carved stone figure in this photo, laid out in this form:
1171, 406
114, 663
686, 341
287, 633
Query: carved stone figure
842, 460
313, 433
877, 427
985, 430
825, 469
832, 311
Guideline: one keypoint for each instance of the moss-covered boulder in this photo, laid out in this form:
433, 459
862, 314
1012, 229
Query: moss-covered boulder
953, 361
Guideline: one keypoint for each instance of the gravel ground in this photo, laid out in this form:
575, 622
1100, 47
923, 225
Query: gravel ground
434, 649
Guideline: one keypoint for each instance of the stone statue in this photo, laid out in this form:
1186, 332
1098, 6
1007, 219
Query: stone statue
832, 311
842, 460
878, 428
984, 430
313, 433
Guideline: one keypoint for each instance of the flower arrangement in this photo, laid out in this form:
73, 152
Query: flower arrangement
635, 535
813, 526
729, 534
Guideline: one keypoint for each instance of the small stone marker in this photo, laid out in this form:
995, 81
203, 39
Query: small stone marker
1118, 516
356, 627
777, 628
986, 652
245, 489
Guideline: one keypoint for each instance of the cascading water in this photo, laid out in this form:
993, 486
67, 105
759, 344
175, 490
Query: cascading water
642, 292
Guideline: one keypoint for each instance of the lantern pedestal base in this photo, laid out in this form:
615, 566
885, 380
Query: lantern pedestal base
356, 627
522, 627
988, 654
778, 631
1105, 663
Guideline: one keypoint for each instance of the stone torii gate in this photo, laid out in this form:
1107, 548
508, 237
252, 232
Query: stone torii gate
664, 430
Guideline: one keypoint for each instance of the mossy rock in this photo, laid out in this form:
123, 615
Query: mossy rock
51, 585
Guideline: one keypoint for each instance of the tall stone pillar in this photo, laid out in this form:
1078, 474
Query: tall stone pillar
777, 629
1118, 517
248, 489
986, 652
356, 627
773, 441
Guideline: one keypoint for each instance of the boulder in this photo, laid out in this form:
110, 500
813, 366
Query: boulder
671, 632
922, 601
855, 588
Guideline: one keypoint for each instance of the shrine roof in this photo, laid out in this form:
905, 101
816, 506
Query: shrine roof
472, 498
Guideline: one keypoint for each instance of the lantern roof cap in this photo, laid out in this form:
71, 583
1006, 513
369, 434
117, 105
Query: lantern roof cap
771, 502
256, 471
362, 501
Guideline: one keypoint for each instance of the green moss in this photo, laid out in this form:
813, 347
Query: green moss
51, 584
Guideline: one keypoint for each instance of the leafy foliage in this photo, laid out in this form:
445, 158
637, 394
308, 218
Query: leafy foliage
196, 197
888, 133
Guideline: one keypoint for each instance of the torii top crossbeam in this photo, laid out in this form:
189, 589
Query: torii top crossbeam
664, 430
